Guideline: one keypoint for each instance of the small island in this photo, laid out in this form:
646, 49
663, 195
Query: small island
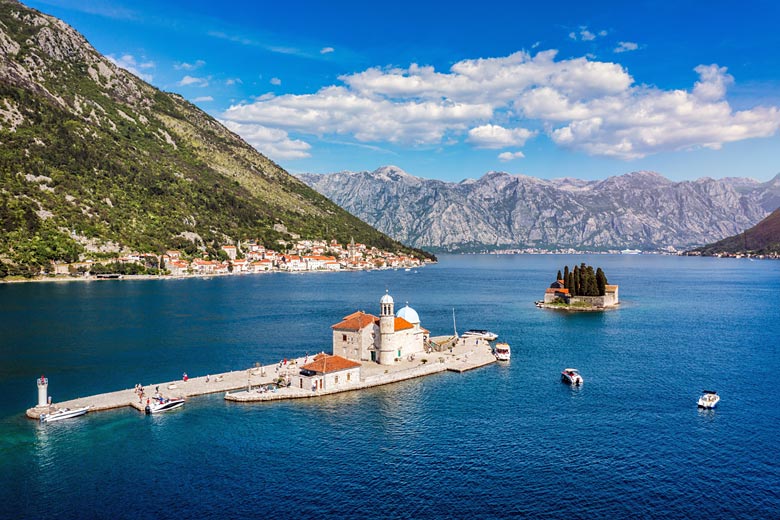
581, 289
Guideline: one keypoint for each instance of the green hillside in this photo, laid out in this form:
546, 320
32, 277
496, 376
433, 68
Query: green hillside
95, 161
761, 239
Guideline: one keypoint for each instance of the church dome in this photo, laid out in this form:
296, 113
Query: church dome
386, 299
409, 315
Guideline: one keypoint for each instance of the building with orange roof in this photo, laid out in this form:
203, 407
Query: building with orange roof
385, 339
328, 372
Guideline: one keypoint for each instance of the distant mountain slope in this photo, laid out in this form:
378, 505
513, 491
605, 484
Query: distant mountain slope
638, 210
92, 157
763, 238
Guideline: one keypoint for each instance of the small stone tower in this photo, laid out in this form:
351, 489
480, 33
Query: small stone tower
386, 330
43, 388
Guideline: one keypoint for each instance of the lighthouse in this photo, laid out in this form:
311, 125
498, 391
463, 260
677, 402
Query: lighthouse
43, 391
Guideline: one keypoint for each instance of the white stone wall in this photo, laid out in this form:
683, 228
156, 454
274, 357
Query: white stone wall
335, 380
357, 344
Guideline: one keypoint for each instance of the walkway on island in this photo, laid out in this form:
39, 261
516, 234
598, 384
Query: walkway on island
238, 385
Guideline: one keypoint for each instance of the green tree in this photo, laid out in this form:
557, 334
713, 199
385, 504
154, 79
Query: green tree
601, 282
558, 276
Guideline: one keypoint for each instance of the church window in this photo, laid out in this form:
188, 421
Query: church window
349, 376
343, 337
336, 380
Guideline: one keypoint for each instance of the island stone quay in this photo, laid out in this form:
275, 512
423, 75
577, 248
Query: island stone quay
259, 383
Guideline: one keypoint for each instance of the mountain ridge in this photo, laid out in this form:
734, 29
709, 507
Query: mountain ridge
641, 209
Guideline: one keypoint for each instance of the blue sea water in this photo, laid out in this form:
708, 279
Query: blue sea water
502, 441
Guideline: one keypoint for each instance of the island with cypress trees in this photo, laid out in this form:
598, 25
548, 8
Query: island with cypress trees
580, 289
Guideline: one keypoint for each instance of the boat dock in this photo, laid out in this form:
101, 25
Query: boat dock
465, 354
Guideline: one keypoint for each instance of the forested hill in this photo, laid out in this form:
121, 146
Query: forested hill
761, 239
94, 159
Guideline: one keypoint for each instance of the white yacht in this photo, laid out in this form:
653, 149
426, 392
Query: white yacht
708, 399
571, 376
631, 252
163, 405
480, 334
502, 351
63, 413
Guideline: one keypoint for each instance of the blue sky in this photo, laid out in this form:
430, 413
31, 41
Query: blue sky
687, 89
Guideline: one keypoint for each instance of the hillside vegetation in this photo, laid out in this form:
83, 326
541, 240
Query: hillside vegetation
95, 161
761, 239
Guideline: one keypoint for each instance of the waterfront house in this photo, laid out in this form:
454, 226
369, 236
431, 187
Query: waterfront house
328, 372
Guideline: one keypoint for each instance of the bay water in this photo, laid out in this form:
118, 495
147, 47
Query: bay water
503, 441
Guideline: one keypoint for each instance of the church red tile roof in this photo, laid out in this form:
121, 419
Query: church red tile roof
355, 321
326, 364
402, 324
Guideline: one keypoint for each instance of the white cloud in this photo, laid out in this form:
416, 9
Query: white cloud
233, 81
326, 50
510, 156
272, 142
189, 66
203, 99
275, 81
494, 136
586, 34
193, 81
131, 65
582, 104
626, 47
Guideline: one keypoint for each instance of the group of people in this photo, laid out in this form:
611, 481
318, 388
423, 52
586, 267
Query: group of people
139, 391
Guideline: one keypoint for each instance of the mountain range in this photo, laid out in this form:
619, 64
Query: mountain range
94, 160
642, 210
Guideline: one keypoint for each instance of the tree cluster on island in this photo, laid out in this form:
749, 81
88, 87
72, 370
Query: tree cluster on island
583, 280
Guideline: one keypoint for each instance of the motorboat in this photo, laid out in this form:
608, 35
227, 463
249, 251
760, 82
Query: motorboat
571, 376
502, 351
63, 413
480, 334
708, 399
163, 405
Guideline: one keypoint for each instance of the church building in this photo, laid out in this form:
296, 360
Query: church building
384, 339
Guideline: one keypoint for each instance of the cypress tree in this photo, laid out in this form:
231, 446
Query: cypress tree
591, 289
575, 288
559, 277
601, 282
566, 279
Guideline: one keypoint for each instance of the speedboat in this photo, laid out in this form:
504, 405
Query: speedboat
480, 334
63, 413
502, 351
163, 405
708, 399
571, 376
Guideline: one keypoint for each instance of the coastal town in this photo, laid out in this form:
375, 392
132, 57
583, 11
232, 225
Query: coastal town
244, 258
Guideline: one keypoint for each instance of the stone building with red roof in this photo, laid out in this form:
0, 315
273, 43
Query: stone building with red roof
328, 372
384, 339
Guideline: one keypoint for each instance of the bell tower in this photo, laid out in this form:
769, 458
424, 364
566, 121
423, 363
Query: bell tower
386, 330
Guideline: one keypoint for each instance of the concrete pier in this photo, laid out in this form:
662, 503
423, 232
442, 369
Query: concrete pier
466, 354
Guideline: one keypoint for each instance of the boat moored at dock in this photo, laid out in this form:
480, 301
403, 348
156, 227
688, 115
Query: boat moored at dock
63, 413
502, 351
163, 405
709, 399
571, 376
480, 334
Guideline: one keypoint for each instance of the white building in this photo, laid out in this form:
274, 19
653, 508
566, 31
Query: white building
328, 372
384, 339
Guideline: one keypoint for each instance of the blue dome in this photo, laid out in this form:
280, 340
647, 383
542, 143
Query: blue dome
409, 315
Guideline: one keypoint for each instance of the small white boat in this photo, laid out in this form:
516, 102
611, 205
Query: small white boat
708, 399
480, 334
571, 376
502, 351
164, 405
63, 413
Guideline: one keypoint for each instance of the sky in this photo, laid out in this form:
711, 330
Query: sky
557, 89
